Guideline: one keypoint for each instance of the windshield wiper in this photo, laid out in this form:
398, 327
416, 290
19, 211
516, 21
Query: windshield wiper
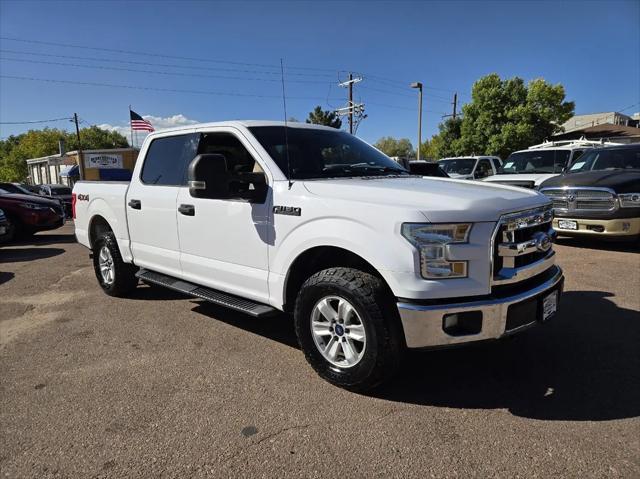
366, 167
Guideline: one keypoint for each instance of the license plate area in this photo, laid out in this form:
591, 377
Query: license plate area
536, 309
549, 305
567, 225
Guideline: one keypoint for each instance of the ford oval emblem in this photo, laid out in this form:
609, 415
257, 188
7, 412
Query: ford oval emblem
543, 241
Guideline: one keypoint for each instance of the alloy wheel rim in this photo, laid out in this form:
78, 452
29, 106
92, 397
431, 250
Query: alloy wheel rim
105, 262
338, 331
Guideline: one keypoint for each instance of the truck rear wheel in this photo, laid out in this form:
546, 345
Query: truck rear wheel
116, 278
348, 328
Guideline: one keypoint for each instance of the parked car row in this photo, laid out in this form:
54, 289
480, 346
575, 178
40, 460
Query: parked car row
60, 193
26, 214
594, 186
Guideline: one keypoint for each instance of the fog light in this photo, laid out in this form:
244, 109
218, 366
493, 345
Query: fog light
462, 324
626, 226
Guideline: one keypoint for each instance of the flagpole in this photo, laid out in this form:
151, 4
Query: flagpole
131, 127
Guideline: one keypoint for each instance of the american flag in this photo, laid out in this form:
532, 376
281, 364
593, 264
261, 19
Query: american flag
139, 123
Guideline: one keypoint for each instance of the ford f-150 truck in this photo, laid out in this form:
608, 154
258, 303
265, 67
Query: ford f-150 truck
262, 217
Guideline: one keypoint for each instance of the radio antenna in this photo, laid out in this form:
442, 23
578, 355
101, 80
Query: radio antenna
286, 135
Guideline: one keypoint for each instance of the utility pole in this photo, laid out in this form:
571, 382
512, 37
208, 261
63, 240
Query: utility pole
80, 159
351, 103
454, 115
418, 85
455, 105
354, 111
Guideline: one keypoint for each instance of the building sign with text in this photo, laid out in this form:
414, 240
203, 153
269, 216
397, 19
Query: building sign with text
102, 160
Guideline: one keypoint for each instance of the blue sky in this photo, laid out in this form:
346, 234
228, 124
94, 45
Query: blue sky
592, 48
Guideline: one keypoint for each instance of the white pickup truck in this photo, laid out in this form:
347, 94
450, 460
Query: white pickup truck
310, 220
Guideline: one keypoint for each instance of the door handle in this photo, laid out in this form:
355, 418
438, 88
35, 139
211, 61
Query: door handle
187, 210
135, 204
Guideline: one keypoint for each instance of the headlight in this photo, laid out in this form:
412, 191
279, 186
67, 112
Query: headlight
432, 241
34, 206
629, 200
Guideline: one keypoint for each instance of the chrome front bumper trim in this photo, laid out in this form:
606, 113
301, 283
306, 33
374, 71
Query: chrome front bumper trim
422, 324
512, 275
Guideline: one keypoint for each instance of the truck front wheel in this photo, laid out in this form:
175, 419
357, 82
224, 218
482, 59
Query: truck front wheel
116, 278
348, 328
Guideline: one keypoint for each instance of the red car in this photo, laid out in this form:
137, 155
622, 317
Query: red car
28, 214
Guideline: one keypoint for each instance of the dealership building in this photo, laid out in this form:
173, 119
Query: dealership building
106, 164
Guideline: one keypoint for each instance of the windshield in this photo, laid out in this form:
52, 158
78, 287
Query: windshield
11, 188
536, 161
608, 159
458, 166
315, 153
60, 191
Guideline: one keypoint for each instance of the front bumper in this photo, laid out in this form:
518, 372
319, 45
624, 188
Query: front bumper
600, 227
424, 324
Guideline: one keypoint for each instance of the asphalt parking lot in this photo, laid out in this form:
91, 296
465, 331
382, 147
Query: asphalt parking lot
162, 385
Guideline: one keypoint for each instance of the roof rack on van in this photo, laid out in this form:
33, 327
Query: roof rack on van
577, 143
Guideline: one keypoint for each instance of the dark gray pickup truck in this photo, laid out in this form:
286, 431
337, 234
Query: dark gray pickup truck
600, 195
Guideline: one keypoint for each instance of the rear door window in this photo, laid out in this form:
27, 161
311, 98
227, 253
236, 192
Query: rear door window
168, 158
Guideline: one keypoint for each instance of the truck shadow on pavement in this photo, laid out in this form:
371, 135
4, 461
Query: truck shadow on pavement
584, 365
44, 240
599, 244
19, 255
6, 276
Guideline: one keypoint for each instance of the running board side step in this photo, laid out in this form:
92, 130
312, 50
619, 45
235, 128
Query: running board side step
211, 295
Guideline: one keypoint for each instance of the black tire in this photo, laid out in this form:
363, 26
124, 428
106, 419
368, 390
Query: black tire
12, 231
124, 280
375, 306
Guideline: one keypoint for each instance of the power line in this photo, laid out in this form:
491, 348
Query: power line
390, 82
158, 55
164, 65
395, 83
34, 121
201, 75
170, 90
408, 95
386, 105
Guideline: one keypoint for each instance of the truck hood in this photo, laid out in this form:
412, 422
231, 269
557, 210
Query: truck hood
439, 199
534, 179
620, 181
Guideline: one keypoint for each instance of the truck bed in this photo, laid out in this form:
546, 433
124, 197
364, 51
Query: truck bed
105, 199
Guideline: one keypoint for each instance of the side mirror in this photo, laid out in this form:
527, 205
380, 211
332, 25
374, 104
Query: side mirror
208, 176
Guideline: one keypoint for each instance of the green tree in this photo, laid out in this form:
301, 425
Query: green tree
503, 116
94, 138
395, 147
446, 142
15, 150
324, 117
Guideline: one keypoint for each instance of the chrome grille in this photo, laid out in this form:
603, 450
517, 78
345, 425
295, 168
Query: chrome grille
568, 200
522, 245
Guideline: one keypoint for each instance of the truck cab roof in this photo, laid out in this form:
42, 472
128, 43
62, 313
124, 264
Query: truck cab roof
243, 124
